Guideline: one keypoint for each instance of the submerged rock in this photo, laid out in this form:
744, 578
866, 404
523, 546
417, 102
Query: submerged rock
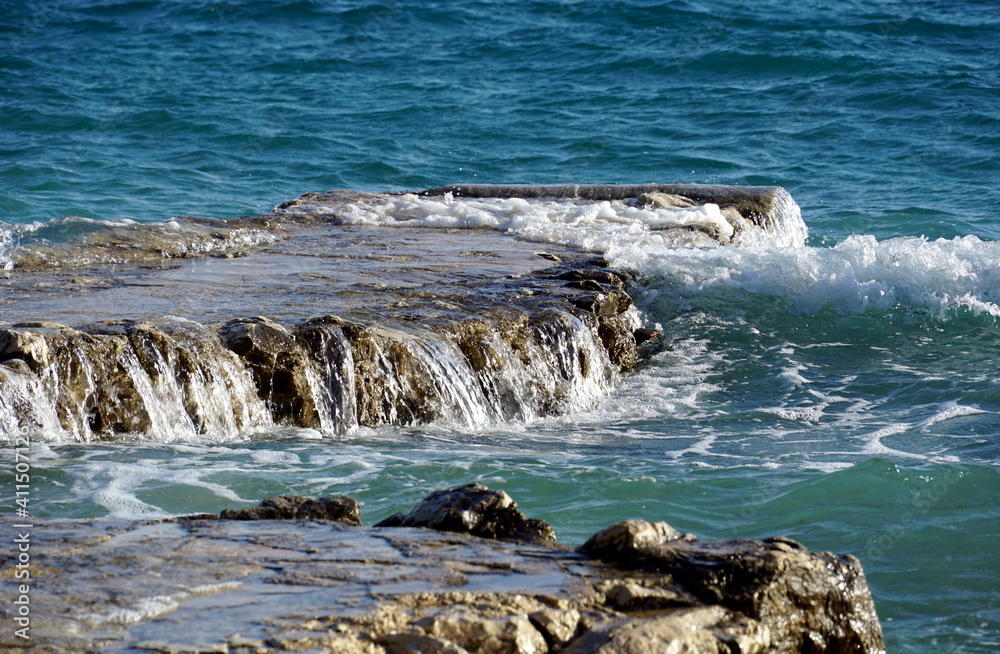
476, 510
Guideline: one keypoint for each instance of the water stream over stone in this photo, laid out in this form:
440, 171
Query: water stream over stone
347, 319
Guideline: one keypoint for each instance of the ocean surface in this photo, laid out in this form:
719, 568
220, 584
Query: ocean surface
839, 387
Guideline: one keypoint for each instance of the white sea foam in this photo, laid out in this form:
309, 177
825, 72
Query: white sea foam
590, 226
949, 411
859, 274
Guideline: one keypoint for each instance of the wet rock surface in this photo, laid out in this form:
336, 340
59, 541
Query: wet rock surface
359, 324
752, 577
338, 509
476, 510
302, 582
516, 349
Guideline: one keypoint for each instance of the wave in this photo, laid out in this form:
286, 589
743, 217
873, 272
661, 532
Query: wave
677, 252
857, 275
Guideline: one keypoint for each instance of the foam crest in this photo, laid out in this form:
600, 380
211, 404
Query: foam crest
857, 275
591, 226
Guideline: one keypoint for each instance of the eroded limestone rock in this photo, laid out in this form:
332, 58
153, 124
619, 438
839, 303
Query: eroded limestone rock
495, 355
510, 635
280, 368
338, 509
306, 585
705, 630
808, 601
558, 626
477, 510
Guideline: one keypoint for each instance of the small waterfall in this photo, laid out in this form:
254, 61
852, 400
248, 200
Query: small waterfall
783, 225
575, 368
335, 378
24, 403
174, 379
169, 381
414, 378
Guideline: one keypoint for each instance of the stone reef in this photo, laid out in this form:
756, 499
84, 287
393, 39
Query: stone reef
537, 345
505, 347
303, 577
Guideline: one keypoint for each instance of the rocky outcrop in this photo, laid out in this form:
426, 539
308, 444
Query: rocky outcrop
476, 510
299, 578
532, 347
514, 346
337, 509
824, 605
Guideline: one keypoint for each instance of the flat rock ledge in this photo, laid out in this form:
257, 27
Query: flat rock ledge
299, 575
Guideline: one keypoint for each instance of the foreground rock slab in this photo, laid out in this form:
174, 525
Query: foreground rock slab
248, 583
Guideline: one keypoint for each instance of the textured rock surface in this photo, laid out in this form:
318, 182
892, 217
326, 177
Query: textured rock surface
338, 509
477, 510
201, 584
466, 335
520, 349
824, 605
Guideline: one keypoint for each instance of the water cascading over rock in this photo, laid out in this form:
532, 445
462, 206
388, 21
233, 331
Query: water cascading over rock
171, 378
459, 340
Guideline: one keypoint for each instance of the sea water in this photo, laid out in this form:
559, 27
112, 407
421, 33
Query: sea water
839, 386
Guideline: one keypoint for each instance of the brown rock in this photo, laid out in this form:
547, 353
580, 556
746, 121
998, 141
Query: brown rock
337, 509
643, 335
610, 278
621, 542
607, 304
410, 643
477, 510
631, 597
559, 626
27, 346
809, 601
657, 199
511, 635
700, 630
280, 368
618, 338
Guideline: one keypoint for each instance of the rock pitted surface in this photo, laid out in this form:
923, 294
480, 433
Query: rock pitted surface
824, 605
305, 582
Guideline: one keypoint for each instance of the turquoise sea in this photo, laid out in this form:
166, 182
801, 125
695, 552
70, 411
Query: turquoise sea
844, 392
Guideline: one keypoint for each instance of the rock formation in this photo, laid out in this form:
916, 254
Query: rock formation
303, 577
516, 346
539, 354
476, 510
